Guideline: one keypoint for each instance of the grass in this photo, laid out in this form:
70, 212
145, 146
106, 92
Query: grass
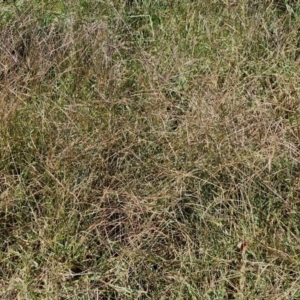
149, 150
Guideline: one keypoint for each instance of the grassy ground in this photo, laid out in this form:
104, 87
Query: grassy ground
149, 150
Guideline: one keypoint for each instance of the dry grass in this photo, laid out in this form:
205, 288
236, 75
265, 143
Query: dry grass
149, 150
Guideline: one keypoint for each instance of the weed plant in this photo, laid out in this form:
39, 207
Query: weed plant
149, 149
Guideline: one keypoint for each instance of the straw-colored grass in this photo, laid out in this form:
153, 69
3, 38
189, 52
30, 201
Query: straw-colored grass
149, 150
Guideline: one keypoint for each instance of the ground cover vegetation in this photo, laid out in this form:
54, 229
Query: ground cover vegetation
149, 149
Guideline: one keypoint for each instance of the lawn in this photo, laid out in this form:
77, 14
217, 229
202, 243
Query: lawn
149, 150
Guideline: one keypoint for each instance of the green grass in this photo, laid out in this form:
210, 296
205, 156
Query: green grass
149, 150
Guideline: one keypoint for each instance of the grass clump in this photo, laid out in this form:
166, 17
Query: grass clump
149, 150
